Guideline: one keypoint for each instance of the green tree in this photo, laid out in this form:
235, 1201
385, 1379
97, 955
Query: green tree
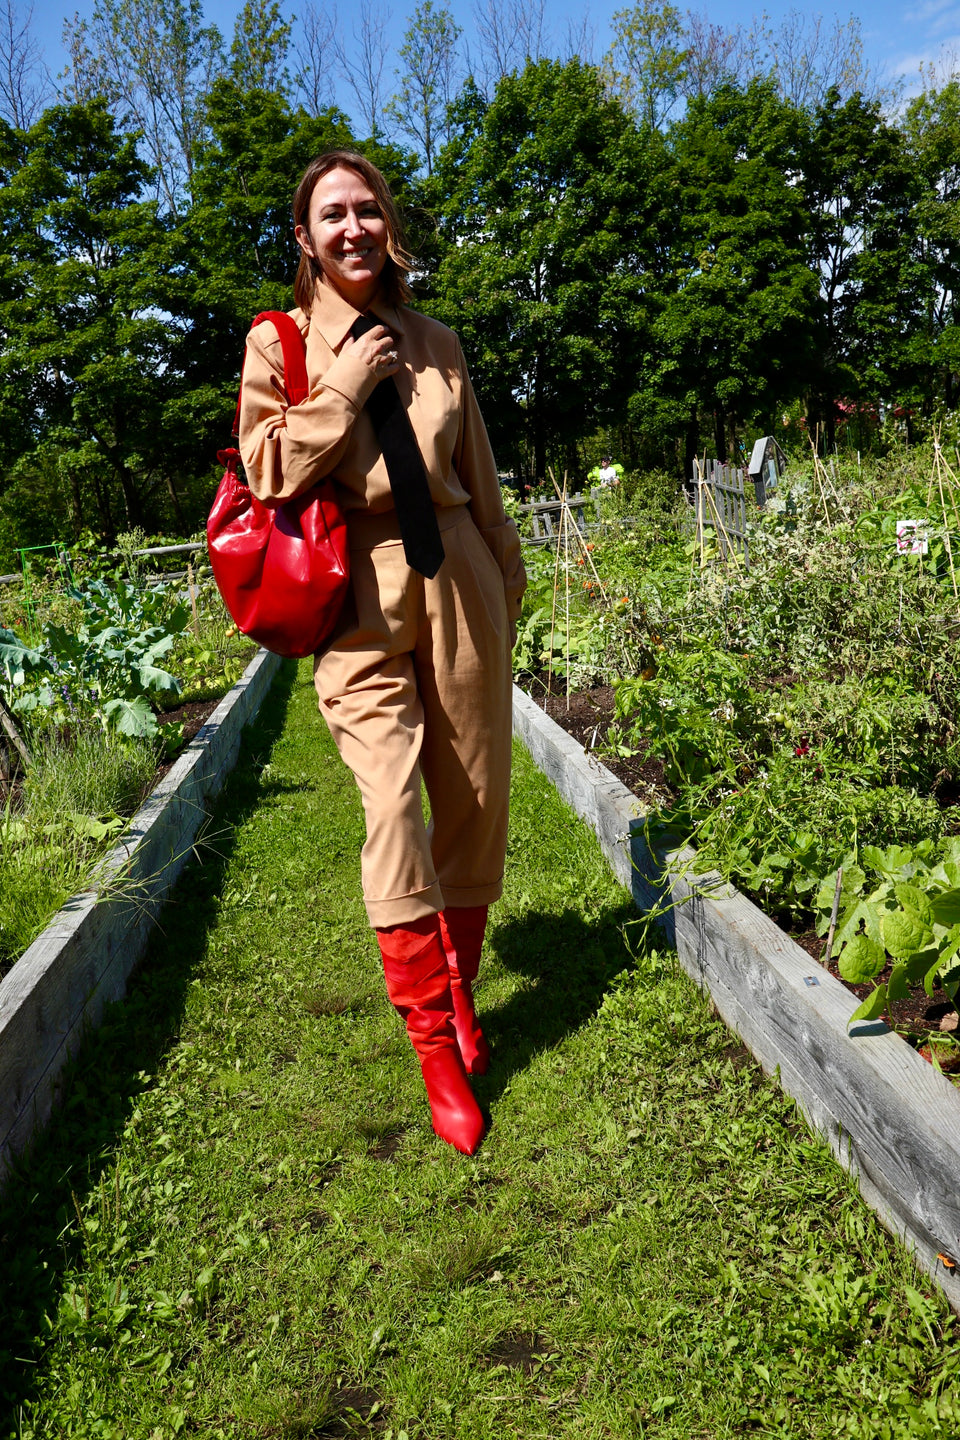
544, 204
154, 61
86, 349
647, 61
260, 46
861, 192
932, 129
427, 79
734, 334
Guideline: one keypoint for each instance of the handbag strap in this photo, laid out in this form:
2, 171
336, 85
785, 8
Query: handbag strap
294, 347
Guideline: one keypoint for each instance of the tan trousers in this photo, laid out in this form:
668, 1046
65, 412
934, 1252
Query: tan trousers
417, 683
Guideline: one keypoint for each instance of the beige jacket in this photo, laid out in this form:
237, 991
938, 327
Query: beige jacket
287, 449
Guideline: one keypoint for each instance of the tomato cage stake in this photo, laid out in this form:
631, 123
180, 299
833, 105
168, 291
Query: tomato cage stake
568, 528
941, 468
819, 472
62, 557
581, 542
563, 537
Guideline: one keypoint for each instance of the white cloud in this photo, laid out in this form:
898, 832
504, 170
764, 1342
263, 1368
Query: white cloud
936, 16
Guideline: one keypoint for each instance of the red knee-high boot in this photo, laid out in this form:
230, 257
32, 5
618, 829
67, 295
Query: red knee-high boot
418, 983
462, 929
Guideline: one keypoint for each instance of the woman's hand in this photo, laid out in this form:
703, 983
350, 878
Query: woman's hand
377, 349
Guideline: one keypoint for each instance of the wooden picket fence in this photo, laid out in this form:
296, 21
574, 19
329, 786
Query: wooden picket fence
546, 517
719, 507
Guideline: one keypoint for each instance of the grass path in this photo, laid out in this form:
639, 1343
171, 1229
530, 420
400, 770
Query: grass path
243, 1226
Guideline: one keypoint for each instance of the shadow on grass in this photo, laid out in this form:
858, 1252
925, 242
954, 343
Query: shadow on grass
570, 963
99, 1089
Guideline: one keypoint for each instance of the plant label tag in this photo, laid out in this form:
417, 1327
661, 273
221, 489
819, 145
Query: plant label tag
912, 537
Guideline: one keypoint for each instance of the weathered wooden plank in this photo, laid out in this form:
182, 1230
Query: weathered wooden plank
888, 1116
83, 959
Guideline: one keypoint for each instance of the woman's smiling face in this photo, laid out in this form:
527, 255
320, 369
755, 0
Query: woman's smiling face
346, 234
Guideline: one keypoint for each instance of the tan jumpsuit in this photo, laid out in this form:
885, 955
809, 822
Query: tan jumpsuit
416, 681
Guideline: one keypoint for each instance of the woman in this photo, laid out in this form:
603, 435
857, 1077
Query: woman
416, 681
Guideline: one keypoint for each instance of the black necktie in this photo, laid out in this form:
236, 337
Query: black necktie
419, 530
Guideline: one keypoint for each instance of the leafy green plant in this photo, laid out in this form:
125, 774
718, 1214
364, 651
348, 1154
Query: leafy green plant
902, 909
107, 666
698, 713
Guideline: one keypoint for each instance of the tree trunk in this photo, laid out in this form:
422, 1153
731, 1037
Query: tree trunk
76, 501
691, 450
175, 500
108, 529
539, 444
720, 433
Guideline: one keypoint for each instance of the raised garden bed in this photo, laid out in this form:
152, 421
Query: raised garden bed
83, 959
888, 1116
588, 716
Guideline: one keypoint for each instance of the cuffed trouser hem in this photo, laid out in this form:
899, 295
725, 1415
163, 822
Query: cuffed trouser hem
465, 896
402, 909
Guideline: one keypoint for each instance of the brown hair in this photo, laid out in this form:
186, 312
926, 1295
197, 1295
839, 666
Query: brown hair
393, 281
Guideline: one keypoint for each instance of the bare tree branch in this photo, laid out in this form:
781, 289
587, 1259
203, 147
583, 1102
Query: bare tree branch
155, 61
315, 53
807, 58
581, 42
713, 55
509, 32
25, 86
362, 66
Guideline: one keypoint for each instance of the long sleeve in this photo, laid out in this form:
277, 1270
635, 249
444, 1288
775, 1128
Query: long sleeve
286, 449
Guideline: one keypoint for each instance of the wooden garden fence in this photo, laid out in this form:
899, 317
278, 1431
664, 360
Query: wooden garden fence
720, 506
546, 517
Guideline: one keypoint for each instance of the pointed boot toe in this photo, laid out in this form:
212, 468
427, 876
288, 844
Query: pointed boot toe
456, 1114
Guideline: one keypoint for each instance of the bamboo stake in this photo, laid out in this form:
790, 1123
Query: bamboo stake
7, 721
701, 480
193, 598
952, 482
946, 532
585, 553
833, 918
556, 570
817, 467
731, 549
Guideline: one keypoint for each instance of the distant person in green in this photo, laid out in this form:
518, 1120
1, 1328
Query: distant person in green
607, 473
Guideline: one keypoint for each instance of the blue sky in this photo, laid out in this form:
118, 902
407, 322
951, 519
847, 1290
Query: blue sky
899, 35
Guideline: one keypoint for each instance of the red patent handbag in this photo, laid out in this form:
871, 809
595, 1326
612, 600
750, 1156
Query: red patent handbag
282, 569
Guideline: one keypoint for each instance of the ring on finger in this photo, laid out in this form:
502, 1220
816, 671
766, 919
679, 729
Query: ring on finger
392, 357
